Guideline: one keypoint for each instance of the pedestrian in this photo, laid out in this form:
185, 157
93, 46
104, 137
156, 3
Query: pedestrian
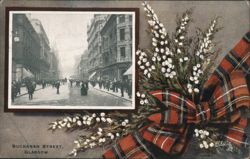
13, 91
57, 85
18, 87
83, 89
71, 83
129, 85
43, 84
117, 84
108, 85
103, 84
113, 86
122, 88
31, 88
77, 83
87, 84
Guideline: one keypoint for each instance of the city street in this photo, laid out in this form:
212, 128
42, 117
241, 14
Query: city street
71, 96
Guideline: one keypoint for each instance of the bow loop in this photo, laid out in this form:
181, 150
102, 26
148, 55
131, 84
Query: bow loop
230, 95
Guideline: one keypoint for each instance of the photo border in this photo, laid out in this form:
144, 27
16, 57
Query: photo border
60, 109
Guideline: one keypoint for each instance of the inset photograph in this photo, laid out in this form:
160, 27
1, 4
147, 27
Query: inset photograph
71, 59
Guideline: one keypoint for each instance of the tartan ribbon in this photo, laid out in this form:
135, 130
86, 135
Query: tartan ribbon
224, 94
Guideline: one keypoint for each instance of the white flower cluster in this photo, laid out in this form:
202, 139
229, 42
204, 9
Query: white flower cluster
205, 43
194, 79
77, 142
97, 139
87, 120
168, 68
143, 99
102, 140
151, 14
144, 64
67, 122
181, 36
184, 59
162, 53
90, 142
203, 135
100, 131
125, 122
93, 141
157, 28
111, 135
73, 152
203, 48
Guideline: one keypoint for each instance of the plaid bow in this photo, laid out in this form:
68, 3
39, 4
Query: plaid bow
167, 132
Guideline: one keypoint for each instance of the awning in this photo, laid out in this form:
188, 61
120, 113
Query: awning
128, 72
92, 75
27, 73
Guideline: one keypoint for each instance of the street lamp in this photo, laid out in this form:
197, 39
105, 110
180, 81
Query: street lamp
16, 37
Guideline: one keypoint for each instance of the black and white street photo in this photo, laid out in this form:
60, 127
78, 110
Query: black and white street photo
71, 60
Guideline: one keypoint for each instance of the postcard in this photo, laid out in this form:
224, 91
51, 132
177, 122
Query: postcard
124, 79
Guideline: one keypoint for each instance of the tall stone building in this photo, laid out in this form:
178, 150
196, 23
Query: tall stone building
44, 64
54, 70
26, 49
94, 44
81, 67
31, 52
116, 46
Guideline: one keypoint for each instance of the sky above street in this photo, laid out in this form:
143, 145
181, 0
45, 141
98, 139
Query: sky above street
67, 33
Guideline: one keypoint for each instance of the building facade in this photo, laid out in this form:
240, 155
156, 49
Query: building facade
94, 43
116, 47
81, 67
44, 63
31, 52
54, 70
26, 49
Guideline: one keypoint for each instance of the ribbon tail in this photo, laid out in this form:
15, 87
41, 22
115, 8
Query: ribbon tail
237, 133
151, 142
130, 146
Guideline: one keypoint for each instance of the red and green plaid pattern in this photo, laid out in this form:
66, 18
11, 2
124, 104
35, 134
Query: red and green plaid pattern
223, 95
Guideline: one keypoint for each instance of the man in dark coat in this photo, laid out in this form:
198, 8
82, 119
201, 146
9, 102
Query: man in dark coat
117, 85
108, 85
57, 85
71, 82
83, 89
87, 84
18, 87
122, 88
31, 88
13, 91
129, 85
43, 84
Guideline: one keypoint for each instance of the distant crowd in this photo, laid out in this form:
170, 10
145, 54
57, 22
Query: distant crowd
80, 83
30, 84
115, 85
